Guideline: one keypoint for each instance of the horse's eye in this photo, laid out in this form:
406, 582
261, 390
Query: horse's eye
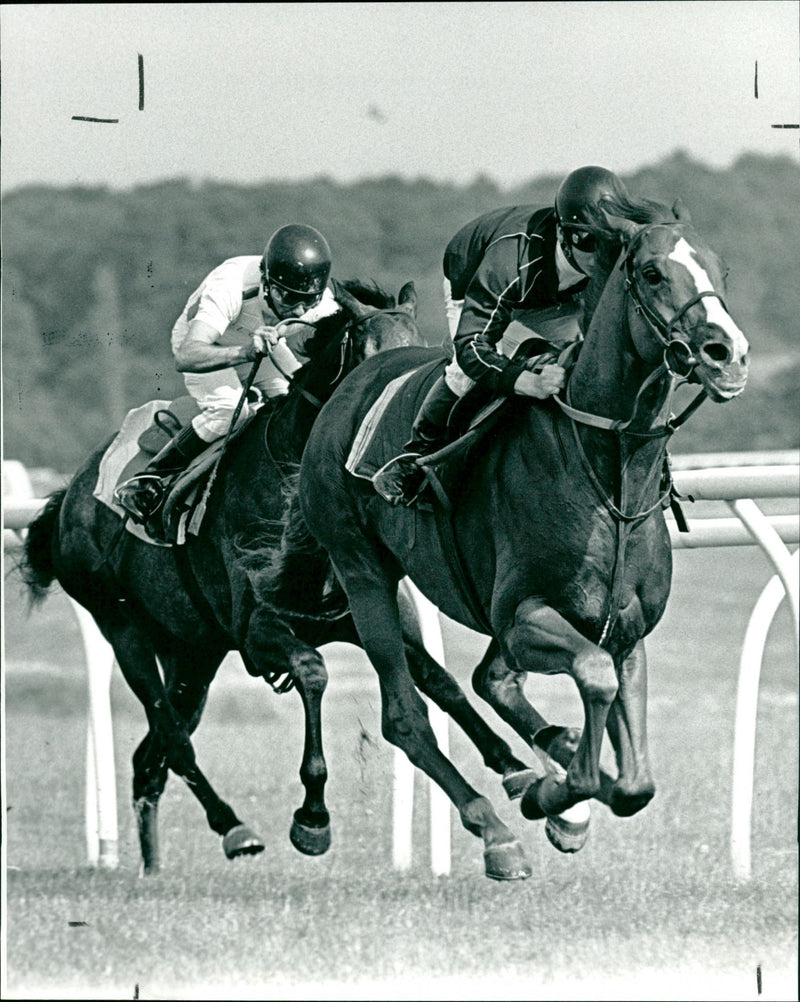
651, 274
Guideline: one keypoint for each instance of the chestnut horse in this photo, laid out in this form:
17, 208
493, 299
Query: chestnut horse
557, 548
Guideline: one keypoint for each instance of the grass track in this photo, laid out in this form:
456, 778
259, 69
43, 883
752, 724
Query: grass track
648, 909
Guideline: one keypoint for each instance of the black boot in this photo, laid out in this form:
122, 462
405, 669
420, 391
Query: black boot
401, 480
143, 495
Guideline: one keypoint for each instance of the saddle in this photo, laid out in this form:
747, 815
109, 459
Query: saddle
387, 425
145, 431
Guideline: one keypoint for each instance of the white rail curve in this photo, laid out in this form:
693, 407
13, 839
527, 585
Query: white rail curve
718, 477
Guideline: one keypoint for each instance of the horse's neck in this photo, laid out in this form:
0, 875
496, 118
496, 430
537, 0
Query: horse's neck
291, 423
608, 381
609, 372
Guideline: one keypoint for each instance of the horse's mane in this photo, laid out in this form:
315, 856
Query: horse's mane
329, 328
610, 239
369, 293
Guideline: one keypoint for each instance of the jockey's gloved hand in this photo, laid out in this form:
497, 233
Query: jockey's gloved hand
264, 339
540, 384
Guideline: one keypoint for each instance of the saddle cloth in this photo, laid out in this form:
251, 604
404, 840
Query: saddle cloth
124, 458
387, 424
137, 441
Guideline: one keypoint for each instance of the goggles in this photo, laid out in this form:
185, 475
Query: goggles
288, 299
580, 240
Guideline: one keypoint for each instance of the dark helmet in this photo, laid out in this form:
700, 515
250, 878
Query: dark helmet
582, 188
298, 258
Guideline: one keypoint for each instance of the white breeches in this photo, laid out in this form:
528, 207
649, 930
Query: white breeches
218, 393
456, 380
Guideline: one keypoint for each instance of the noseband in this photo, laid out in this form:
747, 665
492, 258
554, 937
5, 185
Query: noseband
678, 356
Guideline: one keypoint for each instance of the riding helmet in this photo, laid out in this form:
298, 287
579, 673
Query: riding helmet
582, 188
298, 258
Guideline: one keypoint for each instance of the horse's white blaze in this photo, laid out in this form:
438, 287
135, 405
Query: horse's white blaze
716, 313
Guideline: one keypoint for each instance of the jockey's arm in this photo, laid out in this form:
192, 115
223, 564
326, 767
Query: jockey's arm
198, 351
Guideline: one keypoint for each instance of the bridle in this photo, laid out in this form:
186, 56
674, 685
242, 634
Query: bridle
345, 349
678, 364
678, 356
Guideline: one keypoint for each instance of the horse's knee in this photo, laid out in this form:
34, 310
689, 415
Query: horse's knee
308, 669
596, 676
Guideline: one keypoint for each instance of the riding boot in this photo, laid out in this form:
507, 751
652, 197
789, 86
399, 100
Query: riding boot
143, 494
401, 481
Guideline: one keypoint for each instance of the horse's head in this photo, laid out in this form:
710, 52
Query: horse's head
369, 321
376, 322
676, 285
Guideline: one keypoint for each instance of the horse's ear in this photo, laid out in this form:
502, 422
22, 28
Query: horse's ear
408, 298
627, 227
349, 301
680, 211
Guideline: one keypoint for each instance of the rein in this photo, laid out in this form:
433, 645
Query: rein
678, 364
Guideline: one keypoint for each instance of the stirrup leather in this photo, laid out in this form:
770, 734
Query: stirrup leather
141, 496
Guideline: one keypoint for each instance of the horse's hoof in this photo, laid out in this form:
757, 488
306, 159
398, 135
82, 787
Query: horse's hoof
516, 783
625, 805
310, 841
529, 805
569, 830
241, 841
560, 743
506, 862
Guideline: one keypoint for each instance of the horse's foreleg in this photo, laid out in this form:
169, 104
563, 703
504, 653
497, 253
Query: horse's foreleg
627, 728
311, 831
503, 688
188, 675
271, 649
541, 640
149, 779
404, 716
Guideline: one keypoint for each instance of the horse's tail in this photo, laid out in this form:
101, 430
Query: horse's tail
37, 566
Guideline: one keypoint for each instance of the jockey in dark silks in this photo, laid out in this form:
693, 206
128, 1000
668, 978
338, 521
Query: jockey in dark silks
506, 263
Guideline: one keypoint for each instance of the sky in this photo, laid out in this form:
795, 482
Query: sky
447, 91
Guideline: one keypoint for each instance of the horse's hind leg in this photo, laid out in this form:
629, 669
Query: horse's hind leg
404, 716
627, 729
169, 742
440, 686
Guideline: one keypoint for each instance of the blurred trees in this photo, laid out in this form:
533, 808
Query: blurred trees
93, 281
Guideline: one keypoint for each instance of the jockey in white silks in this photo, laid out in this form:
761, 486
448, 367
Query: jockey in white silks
230, 320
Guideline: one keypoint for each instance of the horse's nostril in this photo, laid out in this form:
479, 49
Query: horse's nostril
716, 352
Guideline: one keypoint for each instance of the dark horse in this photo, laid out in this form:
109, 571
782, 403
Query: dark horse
187, 606
558, 548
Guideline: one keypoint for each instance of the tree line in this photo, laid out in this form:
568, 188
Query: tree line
93, 280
